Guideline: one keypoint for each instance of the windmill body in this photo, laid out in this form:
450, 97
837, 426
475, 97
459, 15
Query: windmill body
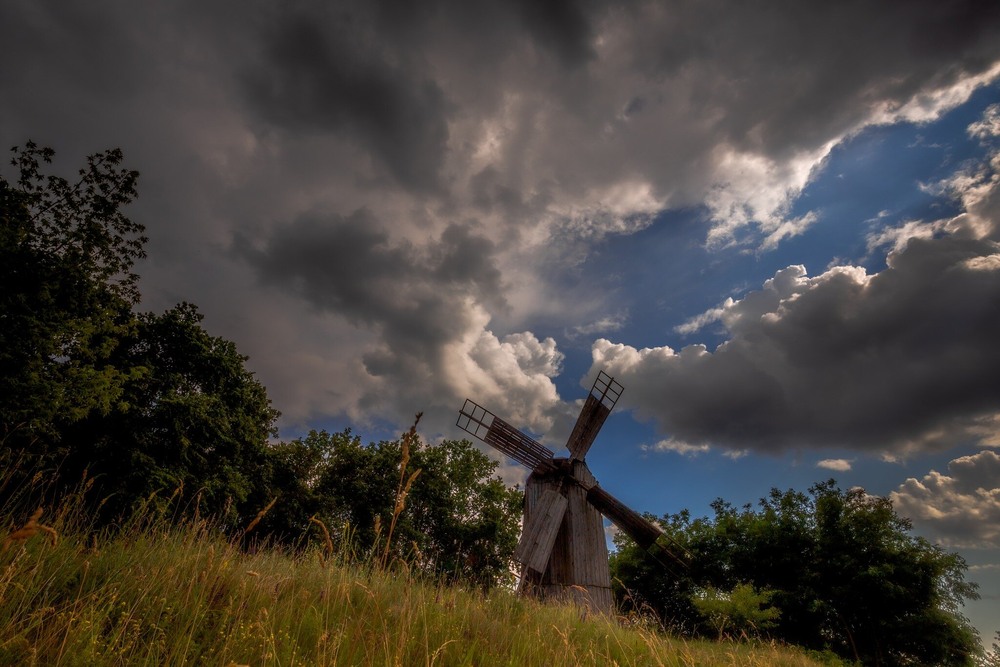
577, 566
563, 550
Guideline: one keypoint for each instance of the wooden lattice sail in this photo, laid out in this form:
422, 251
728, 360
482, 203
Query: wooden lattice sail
563, 550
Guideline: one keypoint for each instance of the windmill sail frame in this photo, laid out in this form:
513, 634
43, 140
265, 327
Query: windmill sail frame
600, 402
483, 424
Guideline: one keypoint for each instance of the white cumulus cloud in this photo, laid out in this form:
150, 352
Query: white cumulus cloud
894, 362
838, 465
960, 508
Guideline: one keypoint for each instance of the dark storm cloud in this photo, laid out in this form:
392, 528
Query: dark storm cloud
560, 25
561, 28
789, 74
550, 124
896, 362
904, 359
425, 305
350, 266
83, 47
327, 73
330, 69
417, 301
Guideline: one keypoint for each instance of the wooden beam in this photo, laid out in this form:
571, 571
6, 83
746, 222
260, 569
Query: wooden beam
600, 402
539, 533
635, 526
588, 424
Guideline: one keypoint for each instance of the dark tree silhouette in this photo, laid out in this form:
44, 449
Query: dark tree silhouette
840, 566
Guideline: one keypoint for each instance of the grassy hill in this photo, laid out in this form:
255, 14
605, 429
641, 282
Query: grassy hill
161, 595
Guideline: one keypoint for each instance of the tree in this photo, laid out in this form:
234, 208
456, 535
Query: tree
141, 402
459, 521
992, 659
743, 611
840, 566
190, 416
66, 258
462, 517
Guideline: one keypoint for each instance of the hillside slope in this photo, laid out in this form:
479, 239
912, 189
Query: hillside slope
171, 596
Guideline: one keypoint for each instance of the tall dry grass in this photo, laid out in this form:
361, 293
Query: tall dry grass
408, 441
167, 591
186, 596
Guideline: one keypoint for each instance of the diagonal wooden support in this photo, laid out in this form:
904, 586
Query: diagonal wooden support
539, 535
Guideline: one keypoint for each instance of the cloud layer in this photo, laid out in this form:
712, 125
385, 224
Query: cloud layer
377, 200
895, 362
961, 508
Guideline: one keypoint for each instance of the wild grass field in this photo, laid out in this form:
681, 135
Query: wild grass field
162, 594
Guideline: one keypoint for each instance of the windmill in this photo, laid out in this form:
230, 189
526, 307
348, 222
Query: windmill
563, 551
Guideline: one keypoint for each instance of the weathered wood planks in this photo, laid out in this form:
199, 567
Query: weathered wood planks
540, 529
577, 568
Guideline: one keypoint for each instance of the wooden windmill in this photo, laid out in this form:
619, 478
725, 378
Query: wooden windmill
563, 551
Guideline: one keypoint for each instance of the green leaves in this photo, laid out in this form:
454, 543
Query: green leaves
840, 566
459, 517
83, 222
137, 401
66, 258
743, 611
189, 412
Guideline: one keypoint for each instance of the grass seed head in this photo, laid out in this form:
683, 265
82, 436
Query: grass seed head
328, 543
29, 530
260, 515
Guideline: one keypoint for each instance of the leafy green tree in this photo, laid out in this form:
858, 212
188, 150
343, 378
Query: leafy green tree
462, 517
644, 584
743, 611
459, 520
66, 258
190, 416
143, 403
841, 566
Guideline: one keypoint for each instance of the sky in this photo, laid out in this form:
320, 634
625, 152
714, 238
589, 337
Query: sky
777, 224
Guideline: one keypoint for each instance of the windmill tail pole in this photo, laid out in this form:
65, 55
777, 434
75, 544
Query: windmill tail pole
667, 559
635, 526
646, 534
676, 546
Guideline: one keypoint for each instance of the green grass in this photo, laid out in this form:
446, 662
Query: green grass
185, 596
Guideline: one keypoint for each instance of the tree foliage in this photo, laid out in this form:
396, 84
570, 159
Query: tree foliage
140, 403
992, 658
190, 415
841, 567
460, 521
66, 259
151, 408
743, 611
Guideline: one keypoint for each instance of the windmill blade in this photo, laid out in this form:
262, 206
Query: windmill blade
602, 399
587, 425
643, 532
483, 424
539, 533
